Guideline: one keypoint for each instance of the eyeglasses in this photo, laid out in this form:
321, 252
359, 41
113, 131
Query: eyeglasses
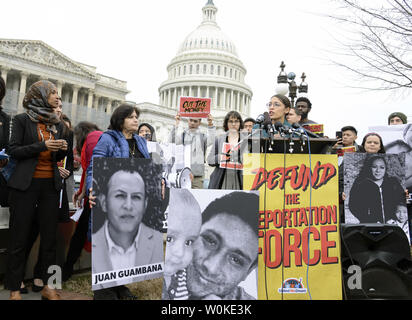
276, 104
233, 121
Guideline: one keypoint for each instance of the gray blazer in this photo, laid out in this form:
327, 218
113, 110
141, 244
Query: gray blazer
149, 250
216, 178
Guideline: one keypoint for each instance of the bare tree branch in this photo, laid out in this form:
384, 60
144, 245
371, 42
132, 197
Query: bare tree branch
380, 48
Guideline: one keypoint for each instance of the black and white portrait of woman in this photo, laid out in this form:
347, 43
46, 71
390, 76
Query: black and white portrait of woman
374, 183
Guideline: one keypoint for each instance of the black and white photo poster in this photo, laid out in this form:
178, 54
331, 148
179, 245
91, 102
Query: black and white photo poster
212, 245
398, 139
127, 243
175, 160
375, 190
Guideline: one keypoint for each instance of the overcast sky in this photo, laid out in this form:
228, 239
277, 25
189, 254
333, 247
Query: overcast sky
136, 40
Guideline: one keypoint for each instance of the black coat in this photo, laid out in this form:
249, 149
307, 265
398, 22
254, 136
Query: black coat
365, 201
25, 148
64, 211
4, 129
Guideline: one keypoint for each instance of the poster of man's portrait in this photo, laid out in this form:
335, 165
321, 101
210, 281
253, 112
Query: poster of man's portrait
375, 190
212, 245
127, 243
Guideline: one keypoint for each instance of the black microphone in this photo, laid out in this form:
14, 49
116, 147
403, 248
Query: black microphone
298, 128
267, 121
263, 119
260, 119
279, 127
301, 130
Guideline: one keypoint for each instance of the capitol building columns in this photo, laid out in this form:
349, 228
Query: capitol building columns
59, 85
109, 106
89, 104
4, 71
96, 102
23, 62
22, 90
206, 65
222, 98
75, 96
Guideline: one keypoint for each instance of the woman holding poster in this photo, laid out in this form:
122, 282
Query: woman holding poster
226, 156
374, 196
120, 141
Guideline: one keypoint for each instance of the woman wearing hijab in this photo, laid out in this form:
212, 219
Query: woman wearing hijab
36, 145
65, 168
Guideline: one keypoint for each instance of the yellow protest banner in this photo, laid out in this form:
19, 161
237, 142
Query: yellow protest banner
299, 241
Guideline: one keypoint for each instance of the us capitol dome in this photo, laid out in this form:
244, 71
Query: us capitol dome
206, 65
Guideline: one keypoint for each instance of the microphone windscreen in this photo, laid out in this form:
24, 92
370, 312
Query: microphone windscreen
278, 125
295, 125
261, 118
267, 120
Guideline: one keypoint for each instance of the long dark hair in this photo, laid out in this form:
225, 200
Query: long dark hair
366, 171
81, 131
232, 114
381, 150
67, 129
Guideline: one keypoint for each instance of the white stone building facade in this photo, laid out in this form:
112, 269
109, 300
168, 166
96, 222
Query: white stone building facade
86, 94
206, 65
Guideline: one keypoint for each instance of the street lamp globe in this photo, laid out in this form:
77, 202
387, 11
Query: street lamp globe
282, 88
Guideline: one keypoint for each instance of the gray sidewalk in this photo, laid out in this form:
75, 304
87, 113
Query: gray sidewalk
5, 294
65, 295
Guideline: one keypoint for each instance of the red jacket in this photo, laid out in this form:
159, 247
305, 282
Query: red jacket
87, 153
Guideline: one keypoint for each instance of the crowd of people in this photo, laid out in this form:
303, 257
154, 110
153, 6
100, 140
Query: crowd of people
41, 143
